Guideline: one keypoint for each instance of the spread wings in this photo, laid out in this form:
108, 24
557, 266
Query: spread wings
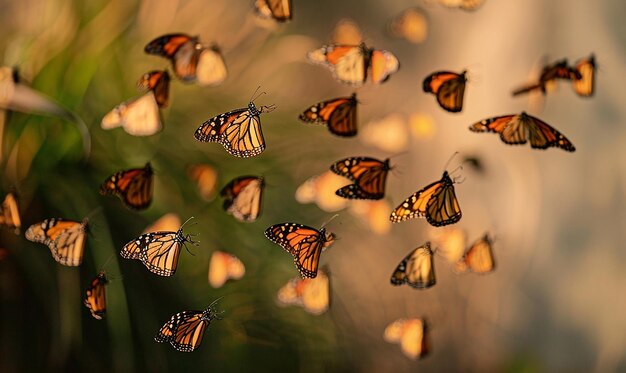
133, 187
339, 114
369, 176
242, 197
416, 269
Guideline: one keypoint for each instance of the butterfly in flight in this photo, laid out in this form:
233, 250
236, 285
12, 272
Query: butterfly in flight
278, 10
517, 129
133, 187
138, 117
242, 197
411, 334
312, 294
185, 330
559, 70
304, 243
436, 202
478, 258
158, 251
95, 296
449, 87
65, 238
586, 67
354, 64
368, 174
410, 25
191, 61
338, 114
467, 5
157, 81
205, 177
416, 270
10, 213
239, 131
223, 267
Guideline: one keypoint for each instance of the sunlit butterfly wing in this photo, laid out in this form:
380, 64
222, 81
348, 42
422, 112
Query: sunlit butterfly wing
347, 32
369, 176
518, 129
411, 334
133, 187
585, 86
157, 81
10, 213
139, 116
205, 177
181, 49
158, 251
167, 222
211, 69
436, 202
339, 114
467, 5
279, 10
416, 269
449, 87
558, 70
479, 258
304, 243
347, 62
381, 65
223, 267
242, 197
95, 296
411, 25
65, 238
185, 330
312, 294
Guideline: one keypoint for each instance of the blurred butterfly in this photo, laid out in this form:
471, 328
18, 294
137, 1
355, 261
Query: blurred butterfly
138, 116
279, 10
449, 241
223, 267
416, 270
449, 88
10, 213
191, 61
157, 81
239, 131
184, 331
516, 128
353, 64
479, 258
320, 189
304, 243
65, 238
205, 177
158, 251
167, 222
411, 334
133, 187
95, 296
242, 197
368, 174
410, 25
373, 213
339, 114
312, 294
586, 67
347, 32
462, 4
389, 133
549, 75
436, 202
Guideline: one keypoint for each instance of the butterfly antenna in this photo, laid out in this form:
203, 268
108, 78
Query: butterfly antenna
106, 262
186, 221
255, 96
450, 160
329, 220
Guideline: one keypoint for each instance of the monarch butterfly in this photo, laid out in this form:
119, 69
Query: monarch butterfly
320, 189
205, 177
10, 213
304, 243
339, 114
312, 294
191, 61
549, 74
586, 67
410, 25
279, 10
450, 242
462, 4
223, 267
449, 88
65, 238
369, 176
515, 129
416, 269
375, 214
479, 257
157, 81
437, 202
158, 251
167, 222
353, 64
411, 334
133, 187
242, 197
95, 296
389, 134
138, 116
347, 32
184, 330
239, 131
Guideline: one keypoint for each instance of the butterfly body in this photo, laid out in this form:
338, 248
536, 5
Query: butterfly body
242, 197
185, 330
448, 87
416, 269
65, 238
339, 114
368, 174
95, 296
133, 187
158, 251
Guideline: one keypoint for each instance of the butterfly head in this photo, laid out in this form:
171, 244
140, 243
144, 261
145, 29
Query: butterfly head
103, 277
211, 313
148, 169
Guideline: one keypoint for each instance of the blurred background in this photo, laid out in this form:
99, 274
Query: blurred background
555, 302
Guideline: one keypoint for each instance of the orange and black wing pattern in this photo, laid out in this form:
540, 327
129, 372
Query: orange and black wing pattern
585, 85
368, 174
242, 197
133, 187
185, 330
95, 296
339, 114
10, 213
416, 269
182, 50
158, 251
436, 202
479, 258
520, 128
449, 87
157, 81
279, 10
304, 243
65, 238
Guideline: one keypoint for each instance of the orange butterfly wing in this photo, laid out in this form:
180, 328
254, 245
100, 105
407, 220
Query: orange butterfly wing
159, 83
133, 187
449, 87
95, 296
304, 243
369, 175
339, 114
